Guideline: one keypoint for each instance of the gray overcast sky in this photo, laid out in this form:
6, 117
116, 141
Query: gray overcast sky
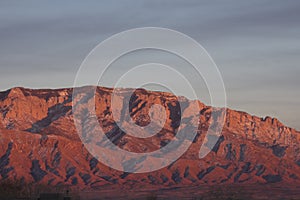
256, 44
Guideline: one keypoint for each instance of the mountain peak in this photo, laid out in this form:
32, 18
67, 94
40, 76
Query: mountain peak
16, 91
13, 92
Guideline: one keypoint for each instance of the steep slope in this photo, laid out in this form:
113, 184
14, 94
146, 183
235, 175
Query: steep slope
40, 144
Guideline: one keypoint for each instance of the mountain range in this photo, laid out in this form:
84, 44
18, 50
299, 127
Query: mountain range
40, 144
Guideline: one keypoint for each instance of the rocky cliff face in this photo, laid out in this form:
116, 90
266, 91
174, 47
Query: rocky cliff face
40, 144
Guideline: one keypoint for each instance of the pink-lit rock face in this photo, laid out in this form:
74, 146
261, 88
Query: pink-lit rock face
40, 145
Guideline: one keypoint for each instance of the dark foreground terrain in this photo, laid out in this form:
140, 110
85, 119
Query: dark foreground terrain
257, 191
230, 192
